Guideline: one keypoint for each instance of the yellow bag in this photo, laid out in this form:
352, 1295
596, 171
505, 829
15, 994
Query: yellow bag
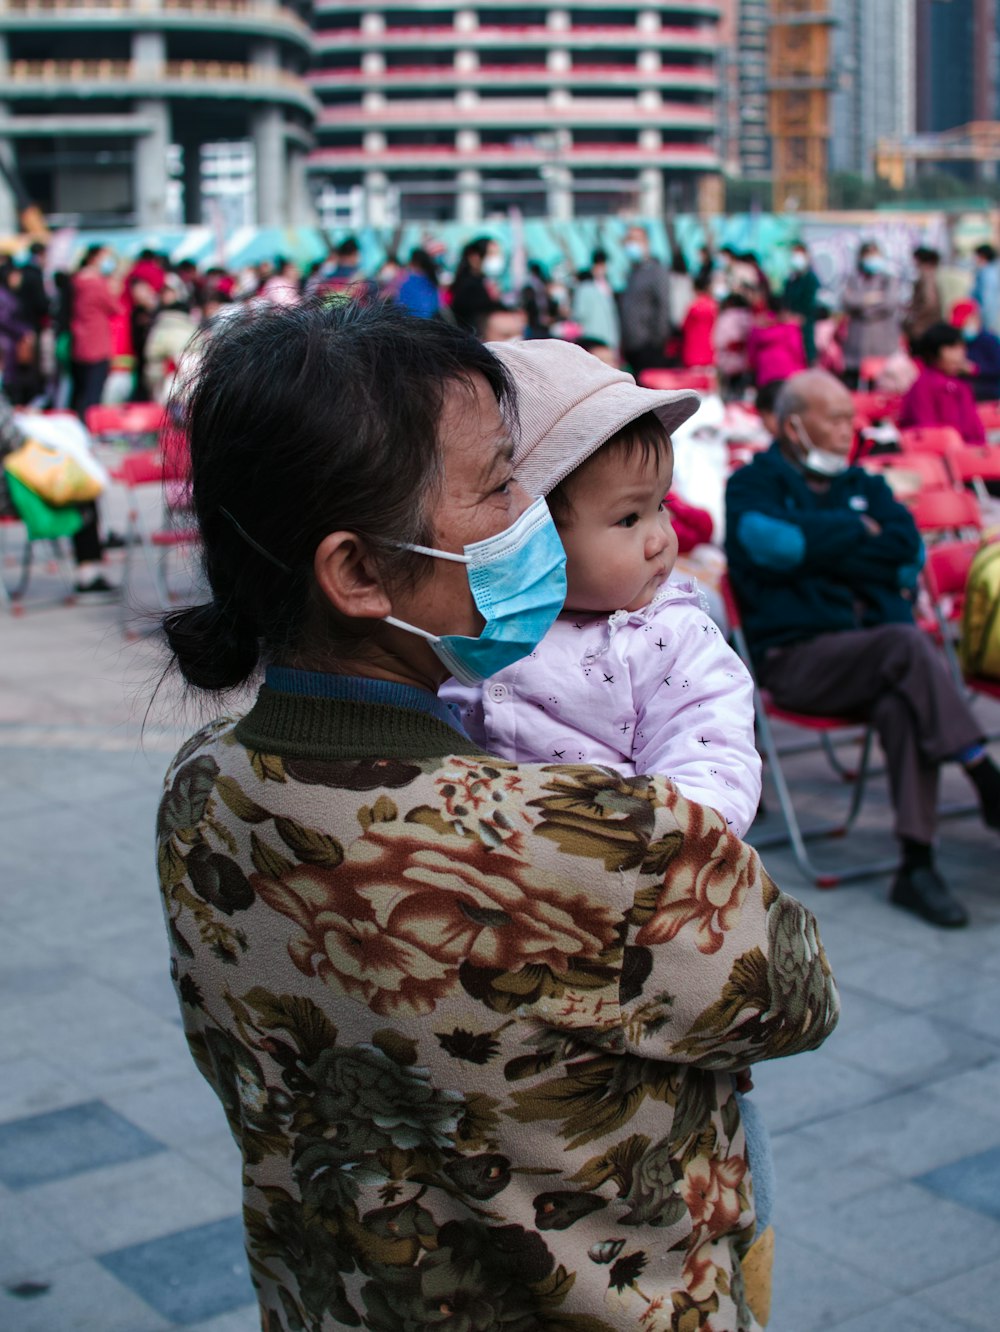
52, 473
979, 642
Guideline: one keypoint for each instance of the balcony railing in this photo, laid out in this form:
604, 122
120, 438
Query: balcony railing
691, 155
29, 77
703, 37
403, 75
168, 13
580, 110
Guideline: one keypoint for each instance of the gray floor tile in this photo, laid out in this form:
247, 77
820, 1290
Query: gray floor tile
811, 1087
976, 1089
139, 1201
31, 1245
83, 1297
976, 1010
974, 1181
906, 1315
190, 1276
971, 1296
67, 1142
913, 1049
813, 1291
904, 1237
31, 1085
906, 976
241, 1320
906, 1134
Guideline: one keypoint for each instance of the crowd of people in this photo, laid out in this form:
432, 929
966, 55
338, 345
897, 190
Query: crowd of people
115, 327
822, 557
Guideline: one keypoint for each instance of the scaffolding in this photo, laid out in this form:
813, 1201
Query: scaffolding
799, 87
977, 142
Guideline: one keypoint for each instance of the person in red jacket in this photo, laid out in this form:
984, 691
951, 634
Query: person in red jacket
697, 348
692, 526
939, 396
96, 302
775, 349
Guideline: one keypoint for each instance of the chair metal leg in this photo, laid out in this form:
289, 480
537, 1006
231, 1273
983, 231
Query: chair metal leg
797, 836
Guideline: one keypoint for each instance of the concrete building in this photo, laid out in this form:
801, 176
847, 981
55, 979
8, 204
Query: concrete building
874, 52
439, 111
106, 107
956, 61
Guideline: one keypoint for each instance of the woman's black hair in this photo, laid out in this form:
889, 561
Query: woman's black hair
421, 262
304, 421
89, 255
931, 342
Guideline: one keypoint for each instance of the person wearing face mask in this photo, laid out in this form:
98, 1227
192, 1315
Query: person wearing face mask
594, 305
940, 395
434, 989
96, 303
801, 295
644, 305
986, 287
924, 308
824, 563
872, 306
982, 350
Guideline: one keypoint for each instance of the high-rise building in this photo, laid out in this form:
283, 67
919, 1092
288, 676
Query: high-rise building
956, 63
874, 55
438, 111
106, 107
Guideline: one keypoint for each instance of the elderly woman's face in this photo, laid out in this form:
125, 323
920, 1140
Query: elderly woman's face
478, 498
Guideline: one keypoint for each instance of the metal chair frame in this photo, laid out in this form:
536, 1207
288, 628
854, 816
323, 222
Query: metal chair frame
795, 835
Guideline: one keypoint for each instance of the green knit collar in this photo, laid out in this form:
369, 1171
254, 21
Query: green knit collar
303, 726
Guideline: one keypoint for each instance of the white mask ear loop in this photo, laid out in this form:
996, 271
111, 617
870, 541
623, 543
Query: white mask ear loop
437, 555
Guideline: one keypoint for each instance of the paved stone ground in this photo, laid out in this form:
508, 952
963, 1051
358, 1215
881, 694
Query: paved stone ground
118, 1181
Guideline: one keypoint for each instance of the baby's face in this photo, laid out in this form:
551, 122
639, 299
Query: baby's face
620, 546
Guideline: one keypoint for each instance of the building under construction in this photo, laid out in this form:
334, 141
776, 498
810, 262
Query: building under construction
800, 84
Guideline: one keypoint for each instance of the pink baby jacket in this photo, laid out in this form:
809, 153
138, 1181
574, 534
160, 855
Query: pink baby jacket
657, 690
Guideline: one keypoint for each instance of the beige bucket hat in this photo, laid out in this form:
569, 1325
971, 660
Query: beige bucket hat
569, 403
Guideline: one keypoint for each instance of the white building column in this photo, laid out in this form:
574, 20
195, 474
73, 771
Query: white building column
469, 204
301, 212
149, 164
651, 192
376, 199
8, 204
269, 153
559, 193
149, 53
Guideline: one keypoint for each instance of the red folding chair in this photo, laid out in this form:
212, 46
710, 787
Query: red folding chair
870, 369
822, 728
126, 420
872, 407
702, 381
946, 510
167, 468
989, 414
946, 573
910, 475
930, 439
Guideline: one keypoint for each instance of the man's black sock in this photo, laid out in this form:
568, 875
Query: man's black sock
917, 855
985, 777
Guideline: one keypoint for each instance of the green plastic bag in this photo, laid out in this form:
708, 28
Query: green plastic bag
41, 519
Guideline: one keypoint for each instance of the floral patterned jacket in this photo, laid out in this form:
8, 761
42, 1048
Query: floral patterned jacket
473, 1023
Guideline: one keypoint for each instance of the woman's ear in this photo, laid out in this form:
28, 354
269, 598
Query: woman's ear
349, 578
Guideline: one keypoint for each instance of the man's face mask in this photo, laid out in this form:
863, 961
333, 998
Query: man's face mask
823, 462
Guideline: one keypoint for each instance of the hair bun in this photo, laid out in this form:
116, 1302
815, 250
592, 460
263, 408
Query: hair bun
215, 649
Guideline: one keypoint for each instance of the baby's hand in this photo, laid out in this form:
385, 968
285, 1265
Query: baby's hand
744, 1081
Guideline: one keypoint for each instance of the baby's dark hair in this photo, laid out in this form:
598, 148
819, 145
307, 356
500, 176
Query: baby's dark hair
646, 436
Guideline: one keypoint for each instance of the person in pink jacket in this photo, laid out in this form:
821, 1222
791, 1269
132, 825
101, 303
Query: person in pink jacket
775, 349
634, 674
939, 396
697, 348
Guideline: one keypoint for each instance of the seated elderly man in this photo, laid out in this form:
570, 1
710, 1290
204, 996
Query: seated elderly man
823, 562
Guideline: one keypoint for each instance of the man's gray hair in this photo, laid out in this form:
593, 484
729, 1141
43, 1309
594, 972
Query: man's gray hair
792, 400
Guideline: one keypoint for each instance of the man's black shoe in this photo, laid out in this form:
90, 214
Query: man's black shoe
926, 894
99, 585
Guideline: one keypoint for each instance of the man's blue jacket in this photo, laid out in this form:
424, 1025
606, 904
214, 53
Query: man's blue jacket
802, 562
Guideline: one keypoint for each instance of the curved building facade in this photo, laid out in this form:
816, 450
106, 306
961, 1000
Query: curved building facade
438, 112
106, 107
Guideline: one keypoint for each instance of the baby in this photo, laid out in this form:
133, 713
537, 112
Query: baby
634, 674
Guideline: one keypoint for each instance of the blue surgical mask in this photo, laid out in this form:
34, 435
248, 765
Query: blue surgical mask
494, 265
108, 265
634, 251
518, 581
